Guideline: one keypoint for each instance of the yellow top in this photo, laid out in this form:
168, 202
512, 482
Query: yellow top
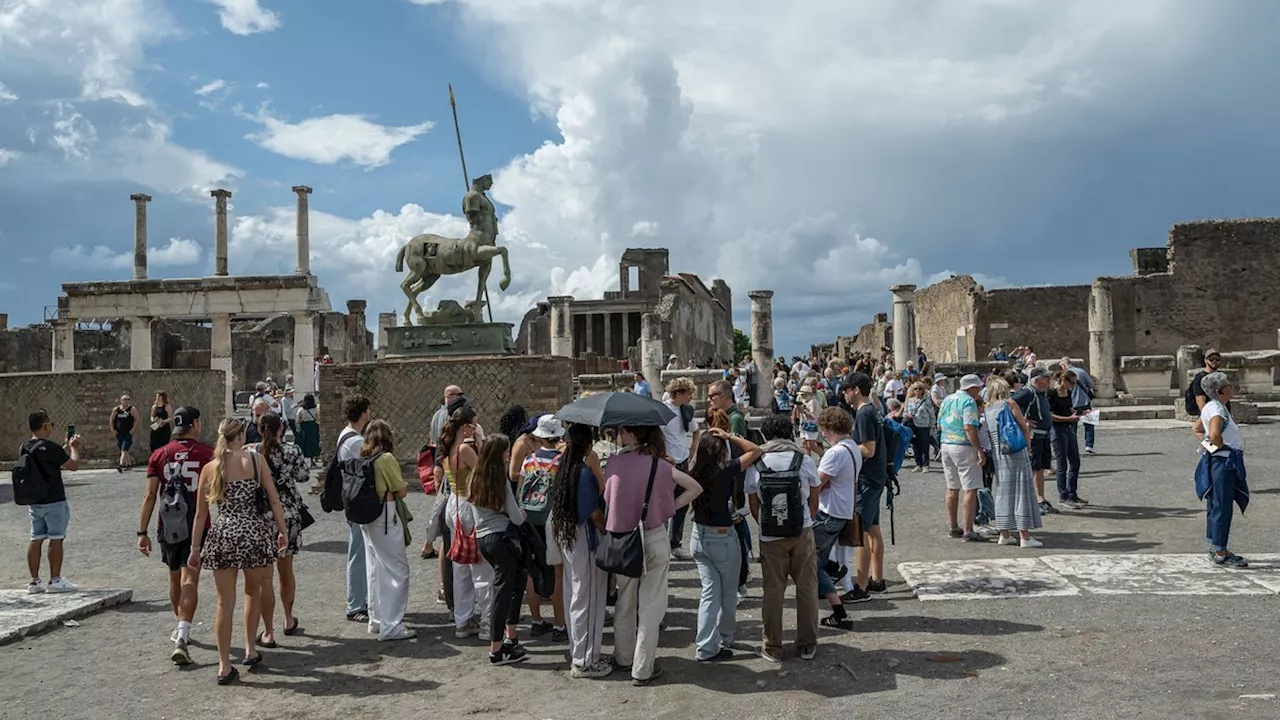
458, 484
386, 475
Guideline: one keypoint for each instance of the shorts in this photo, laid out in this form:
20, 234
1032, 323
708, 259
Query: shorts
1041, 452
960, 467
124, 442
49, 521
868, 503
176, 556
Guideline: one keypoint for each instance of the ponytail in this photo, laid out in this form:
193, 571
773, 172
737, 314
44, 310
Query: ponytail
449, 433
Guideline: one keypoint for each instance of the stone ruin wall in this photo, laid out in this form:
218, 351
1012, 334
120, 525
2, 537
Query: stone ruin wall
695, 324
1054, 321
940, 309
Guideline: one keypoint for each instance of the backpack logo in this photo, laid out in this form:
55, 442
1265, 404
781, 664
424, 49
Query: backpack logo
780, 493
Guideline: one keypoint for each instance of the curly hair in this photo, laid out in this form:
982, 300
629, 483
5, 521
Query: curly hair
512, 419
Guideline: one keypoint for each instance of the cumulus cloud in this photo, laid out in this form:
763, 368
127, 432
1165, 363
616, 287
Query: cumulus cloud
178, 252
246, 17
334, 138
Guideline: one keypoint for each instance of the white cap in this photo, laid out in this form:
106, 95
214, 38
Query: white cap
549, 427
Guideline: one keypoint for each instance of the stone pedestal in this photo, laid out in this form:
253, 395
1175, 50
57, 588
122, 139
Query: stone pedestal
304, 353
651, 353
450, 339
139, 343
1147, 376
64, 346
220, 355
1102, 340
140, 235
904, 325
762, 346
220, 230
561, 325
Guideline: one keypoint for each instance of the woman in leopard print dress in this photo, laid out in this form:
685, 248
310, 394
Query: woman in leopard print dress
288, 468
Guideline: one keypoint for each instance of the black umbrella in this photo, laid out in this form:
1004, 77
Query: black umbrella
616, 409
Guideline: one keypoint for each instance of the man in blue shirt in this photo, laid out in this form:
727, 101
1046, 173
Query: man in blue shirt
642, 386
1082, 399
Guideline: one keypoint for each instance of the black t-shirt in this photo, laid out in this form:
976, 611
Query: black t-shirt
869, 425
1197, 387
716, 511
1060, 405
49, 457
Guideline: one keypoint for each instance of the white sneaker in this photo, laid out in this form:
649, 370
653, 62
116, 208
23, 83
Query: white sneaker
597, 669
986, 531
1008, 540
35, 587
1032, 543
469, 629
60, 586
403, 633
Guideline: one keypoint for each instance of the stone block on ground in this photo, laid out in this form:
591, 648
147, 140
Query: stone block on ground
22, 614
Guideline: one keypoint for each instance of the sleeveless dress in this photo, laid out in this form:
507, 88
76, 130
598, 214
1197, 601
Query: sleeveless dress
1014, 488
288, 468
238, 538
308, 432
160, 436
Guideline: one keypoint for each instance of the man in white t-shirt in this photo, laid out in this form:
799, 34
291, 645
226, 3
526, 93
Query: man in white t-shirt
679, 439
783, 557
839, 474
350, 440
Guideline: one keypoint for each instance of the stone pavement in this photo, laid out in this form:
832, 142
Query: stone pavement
22, 614
1090, 654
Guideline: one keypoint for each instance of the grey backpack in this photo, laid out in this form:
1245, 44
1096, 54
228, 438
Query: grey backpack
175, 504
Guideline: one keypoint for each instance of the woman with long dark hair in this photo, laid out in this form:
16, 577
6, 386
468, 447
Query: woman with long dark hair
308, 428
498, 518
576, 524
642, 601
161, 421
288, 468
472, 582
715, 544
387, 566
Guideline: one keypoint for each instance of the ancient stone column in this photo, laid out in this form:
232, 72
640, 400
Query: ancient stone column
762, 346
140, 235
304, 233
64, 345
220, 355
561, 325
608, 336
220, 231
1102, 340
651, 355
139, 343
304, 352
904, 325
1190, 358
385, 320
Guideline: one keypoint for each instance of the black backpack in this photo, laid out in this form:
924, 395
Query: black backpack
360, 499
331, 494
781, 503
175, 506
1192, 408
29, 484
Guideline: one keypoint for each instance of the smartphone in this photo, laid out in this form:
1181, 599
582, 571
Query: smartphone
71, 431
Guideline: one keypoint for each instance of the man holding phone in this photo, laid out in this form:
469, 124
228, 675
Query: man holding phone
50, 514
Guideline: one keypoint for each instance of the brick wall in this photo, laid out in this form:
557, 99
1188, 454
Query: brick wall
1054, 321
407, 392
941, 308
85, 399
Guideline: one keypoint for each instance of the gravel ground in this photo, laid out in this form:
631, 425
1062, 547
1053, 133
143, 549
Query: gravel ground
1128, 656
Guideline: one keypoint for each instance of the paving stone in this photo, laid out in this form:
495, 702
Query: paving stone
22, 614
984, 579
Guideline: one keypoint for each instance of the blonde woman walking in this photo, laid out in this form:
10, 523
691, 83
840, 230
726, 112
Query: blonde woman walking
1015, 491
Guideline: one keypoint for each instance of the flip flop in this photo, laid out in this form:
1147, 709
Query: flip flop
251, 662
263, 643
429, 555
292, 630
230, 677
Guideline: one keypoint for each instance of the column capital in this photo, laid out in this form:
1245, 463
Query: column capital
556, 299
760, 294
302, 189
220, 193
140, 198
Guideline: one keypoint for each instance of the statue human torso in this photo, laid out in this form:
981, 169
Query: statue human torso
482, 217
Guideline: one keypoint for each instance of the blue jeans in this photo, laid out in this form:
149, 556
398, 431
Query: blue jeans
826, 532
1089, 431
1066, 451
1219, 503
744, 539
357, 580
718, 555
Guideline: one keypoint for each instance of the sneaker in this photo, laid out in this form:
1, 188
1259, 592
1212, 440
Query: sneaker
679, 553
915, 469
35, 587
877, 586
559, 635
1088, 451
1031, 543
1047, 509
856, 595
598, 669
60, 586
724, 654
769, 655
807, 651
1228, 560
538, 628
839, 623
1080, 501
508, 655
403, 633
974, 537
987, 531
180, 654
1070, 503
925, 470
657, 673
1007, 540
468, 629
956, 533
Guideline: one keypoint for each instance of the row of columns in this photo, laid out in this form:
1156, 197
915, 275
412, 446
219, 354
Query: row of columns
562, 329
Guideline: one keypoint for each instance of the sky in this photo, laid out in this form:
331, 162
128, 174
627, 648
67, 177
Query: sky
823, 149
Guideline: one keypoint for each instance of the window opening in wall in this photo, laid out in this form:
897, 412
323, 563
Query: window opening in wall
633, 278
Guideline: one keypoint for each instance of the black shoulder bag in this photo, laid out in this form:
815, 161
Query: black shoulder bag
622, 553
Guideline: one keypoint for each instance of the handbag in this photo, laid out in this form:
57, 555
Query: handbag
622, 553
463, 549
851, 533
306, 518
260, 500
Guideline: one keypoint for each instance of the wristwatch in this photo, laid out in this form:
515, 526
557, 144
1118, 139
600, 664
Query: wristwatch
142, 533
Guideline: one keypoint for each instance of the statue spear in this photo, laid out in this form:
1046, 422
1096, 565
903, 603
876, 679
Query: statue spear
466, 179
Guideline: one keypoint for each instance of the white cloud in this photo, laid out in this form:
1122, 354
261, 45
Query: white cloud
6, 95
7, 156
334, 138
246, 17
72, 133
178, 252
211, 87
262, 86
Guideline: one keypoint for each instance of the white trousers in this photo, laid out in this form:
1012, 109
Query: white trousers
585, 588
472, 584
387, 572
642, 603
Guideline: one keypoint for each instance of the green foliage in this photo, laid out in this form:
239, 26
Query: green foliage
741, 344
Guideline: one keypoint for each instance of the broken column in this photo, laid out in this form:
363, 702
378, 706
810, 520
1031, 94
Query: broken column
139, 343
651, 358
385, 320
904, 325
762, 346
1102, 340
64, 345
1190, 358
220, 355
140, 235
561, 325
304, 231
220, 231
304, 353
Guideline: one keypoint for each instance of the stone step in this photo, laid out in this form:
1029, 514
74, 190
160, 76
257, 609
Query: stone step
1137, 412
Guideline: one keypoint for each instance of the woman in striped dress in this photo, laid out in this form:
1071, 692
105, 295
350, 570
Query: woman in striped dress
1014, 489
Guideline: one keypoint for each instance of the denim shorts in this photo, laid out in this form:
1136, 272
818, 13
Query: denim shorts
868, 505
49, 522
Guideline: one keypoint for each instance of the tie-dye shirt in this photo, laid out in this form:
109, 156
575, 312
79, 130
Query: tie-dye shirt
957, 411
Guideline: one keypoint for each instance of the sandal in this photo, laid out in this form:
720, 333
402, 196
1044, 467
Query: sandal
264, 643
230, 677
358, 616
292, 629
251, 662
429, 553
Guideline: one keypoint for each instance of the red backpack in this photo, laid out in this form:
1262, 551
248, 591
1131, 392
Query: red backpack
427, 469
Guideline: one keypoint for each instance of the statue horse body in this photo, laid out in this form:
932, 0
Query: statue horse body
430, 257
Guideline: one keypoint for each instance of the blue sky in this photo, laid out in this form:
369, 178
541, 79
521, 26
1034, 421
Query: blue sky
826, 150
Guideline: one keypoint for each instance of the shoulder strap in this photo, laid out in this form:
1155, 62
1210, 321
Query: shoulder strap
653, 471
254, 459
797, 459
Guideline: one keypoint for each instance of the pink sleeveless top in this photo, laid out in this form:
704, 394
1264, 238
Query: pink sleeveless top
626, 476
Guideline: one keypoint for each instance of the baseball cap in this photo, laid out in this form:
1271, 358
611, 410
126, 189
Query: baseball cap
185, 417
862, 381
1038, 371
970, 381
1212, 352
549, 426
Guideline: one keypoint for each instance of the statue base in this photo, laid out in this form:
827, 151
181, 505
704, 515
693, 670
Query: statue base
450, 339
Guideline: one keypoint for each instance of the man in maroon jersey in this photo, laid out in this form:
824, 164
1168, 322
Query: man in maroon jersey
178, 463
